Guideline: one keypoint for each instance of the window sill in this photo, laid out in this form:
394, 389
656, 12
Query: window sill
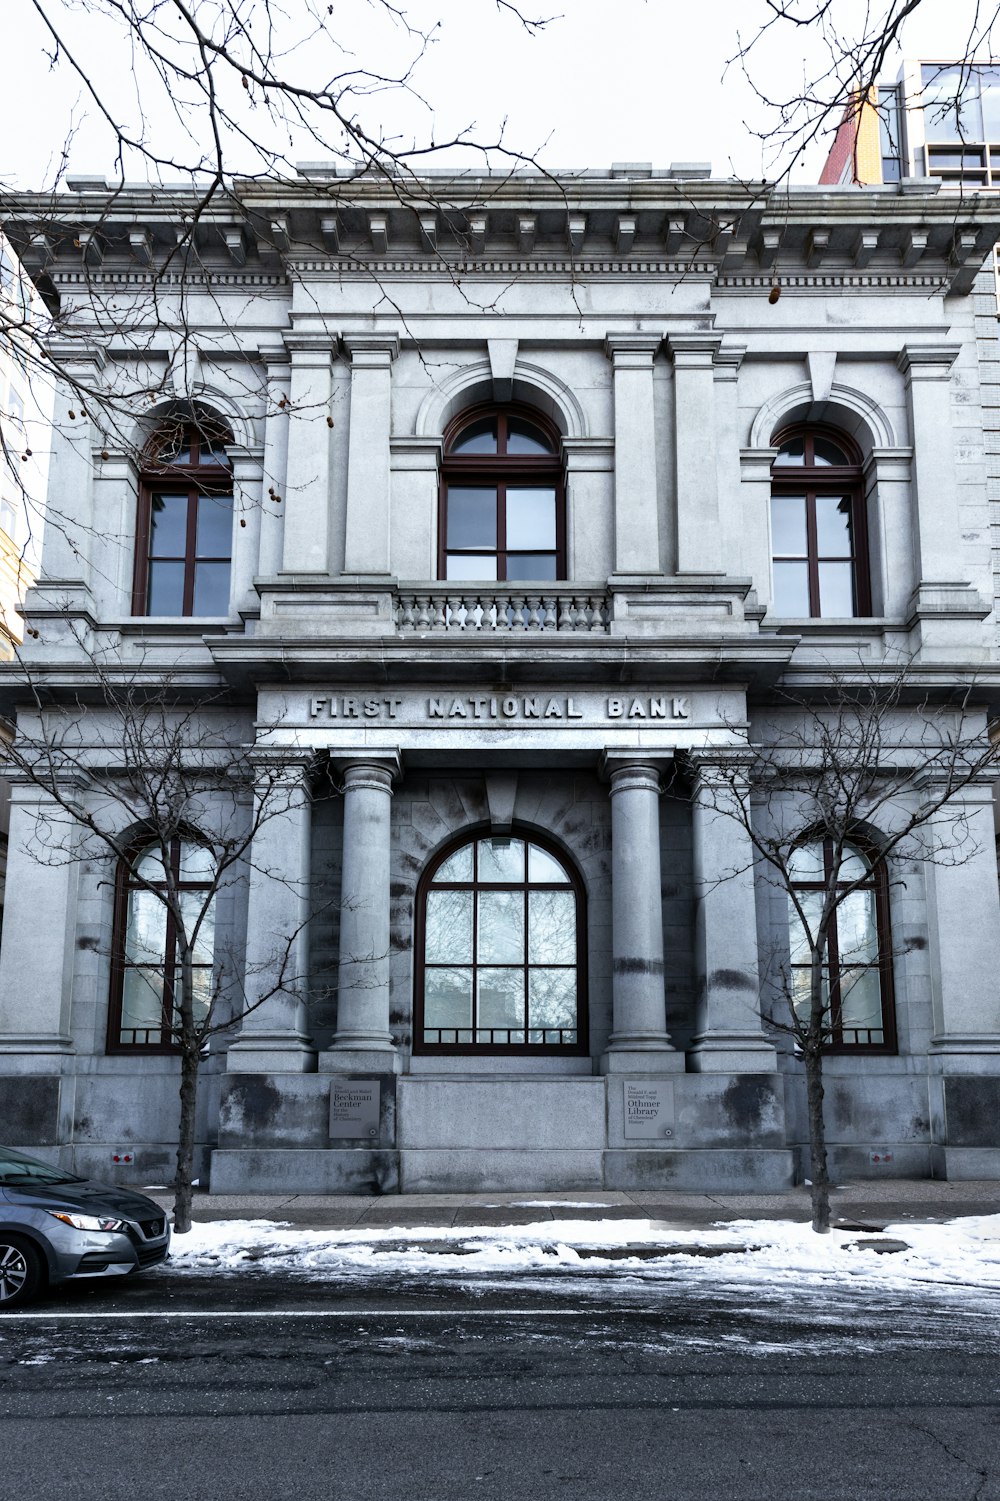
829, 625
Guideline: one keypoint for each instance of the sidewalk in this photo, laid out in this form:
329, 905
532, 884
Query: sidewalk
863, 1205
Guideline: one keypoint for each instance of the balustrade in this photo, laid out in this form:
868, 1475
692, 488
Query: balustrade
469, 611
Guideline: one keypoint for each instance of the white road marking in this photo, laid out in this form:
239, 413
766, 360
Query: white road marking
315, 1313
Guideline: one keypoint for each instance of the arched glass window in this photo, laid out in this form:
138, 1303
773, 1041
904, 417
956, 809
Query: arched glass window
184, 536
819, 541
858, 970
502, 513
501, 950
146, 969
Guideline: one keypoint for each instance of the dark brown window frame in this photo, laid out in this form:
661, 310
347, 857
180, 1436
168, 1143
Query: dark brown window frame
879, 885
193, 480
491, 1049
810, 480
498, 470
120, 964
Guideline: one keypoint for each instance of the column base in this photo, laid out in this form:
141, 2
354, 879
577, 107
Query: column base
374, 1058
732, 1053
622, 1059
271, 1053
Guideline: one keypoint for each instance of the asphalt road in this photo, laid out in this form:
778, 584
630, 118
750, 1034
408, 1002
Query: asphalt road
595, 1388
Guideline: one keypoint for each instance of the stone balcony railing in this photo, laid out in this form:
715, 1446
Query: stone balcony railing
497, 609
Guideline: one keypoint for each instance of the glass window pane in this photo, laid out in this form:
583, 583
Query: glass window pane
175, 448
827, 452
852, 864
552, 998
191, 904
524, 437
833, 526
215, 526
168, 526
500, 998
471, 517
447, 998
449, 927
534, 565
836, 589
545, 868
501, 860
861, 1001
457, 867
791, 588
989, 87
478, 437
531, 518
806, 862
145, 929
951, 104
792, 451
213, 451
501, 927
211, 589
165, 594
857, 933
467, 565
149, 865
142, 1003
197, 863
201, 984
551, 927
788, 526
801, 1000
798, 940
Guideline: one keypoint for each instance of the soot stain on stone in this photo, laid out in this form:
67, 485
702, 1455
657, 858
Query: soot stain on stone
730, 979
254, 1099
638, 967
746, 1101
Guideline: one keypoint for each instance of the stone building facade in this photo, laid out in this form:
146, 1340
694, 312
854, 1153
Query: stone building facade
497, 522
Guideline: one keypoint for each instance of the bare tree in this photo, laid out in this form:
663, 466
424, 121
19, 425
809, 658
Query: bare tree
846, 784
142, 781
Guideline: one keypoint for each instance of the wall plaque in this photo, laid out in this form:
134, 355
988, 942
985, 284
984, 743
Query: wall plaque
649, 1110
354, 1108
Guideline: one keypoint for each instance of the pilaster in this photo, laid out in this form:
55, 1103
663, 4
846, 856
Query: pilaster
306, 500
637, 521
367, 542
699, 538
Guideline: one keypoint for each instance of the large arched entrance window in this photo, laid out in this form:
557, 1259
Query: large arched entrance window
146, 967
502, 513
819, 540
857, 975
501, 950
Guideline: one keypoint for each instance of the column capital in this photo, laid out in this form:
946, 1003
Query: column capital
274, 763
311, 350
371, 350
728, 359
927, 361
695, 350
631, 770
632, 348
67, 353
378, 770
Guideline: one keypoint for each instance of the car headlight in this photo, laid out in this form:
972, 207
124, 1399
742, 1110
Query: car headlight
86, 1221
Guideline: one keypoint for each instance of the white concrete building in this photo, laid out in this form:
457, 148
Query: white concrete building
497, 520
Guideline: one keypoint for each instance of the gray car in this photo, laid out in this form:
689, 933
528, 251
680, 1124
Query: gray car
54, 1226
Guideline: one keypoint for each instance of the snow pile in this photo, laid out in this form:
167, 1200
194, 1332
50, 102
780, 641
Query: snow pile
963, 1252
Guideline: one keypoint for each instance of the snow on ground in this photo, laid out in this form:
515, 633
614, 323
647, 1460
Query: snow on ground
958, 1253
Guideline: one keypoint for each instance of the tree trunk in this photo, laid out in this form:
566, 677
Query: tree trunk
820, 1190
190, 1062
183, 1187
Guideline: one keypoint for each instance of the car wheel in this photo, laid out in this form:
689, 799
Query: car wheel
20, 1270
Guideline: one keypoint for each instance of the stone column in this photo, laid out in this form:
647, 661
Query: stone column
69, 498
306, 497
639, 1042
39, 930
637, 519
936, 533
272, 1038
366, 548
699, 539
963, 911
363, 1042
271, 513
729, 1038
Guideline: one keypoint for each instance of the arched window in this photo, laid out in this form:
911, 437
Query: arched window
184, 536
819, 542
146, 969
858, 969
502, 513
501, 950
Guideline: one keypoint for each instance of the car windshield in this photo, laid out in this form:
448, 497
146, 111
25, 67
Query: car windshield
18, 1169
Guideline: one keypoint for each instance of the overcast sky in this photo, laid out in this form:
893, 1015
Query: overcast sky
607, 80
